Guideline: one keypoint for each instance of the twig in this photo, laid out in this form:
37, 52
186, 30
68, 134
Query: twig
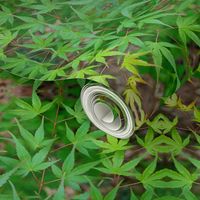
41, 182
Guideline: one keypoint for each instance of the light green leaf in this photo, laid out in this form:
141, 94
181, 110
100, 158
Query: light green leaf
147, 195
118, 159
28, 137
196, 114
149, 137
195, 162
193, 37
181, 169
82, 130
22, 153
39, 157
81, 169
36, 101
6, 15
69, 134
46, 107
101, 79
112, 194
188, 194
5, 177
133, 196
15, 195
94, 192
43, 165
68, 164
149, 170
111, 139
39, 134
168, 55
56, 171
60, 194
131, 164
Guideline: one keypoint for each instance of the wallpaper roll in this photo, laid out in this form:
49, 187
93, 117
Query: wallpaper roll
107, 111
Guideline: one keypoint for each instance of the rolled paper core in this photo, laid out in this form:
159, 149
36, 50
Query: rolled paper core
103, 113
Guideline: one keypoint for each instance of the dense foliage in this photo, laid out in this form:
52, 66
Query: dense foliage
49, 149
